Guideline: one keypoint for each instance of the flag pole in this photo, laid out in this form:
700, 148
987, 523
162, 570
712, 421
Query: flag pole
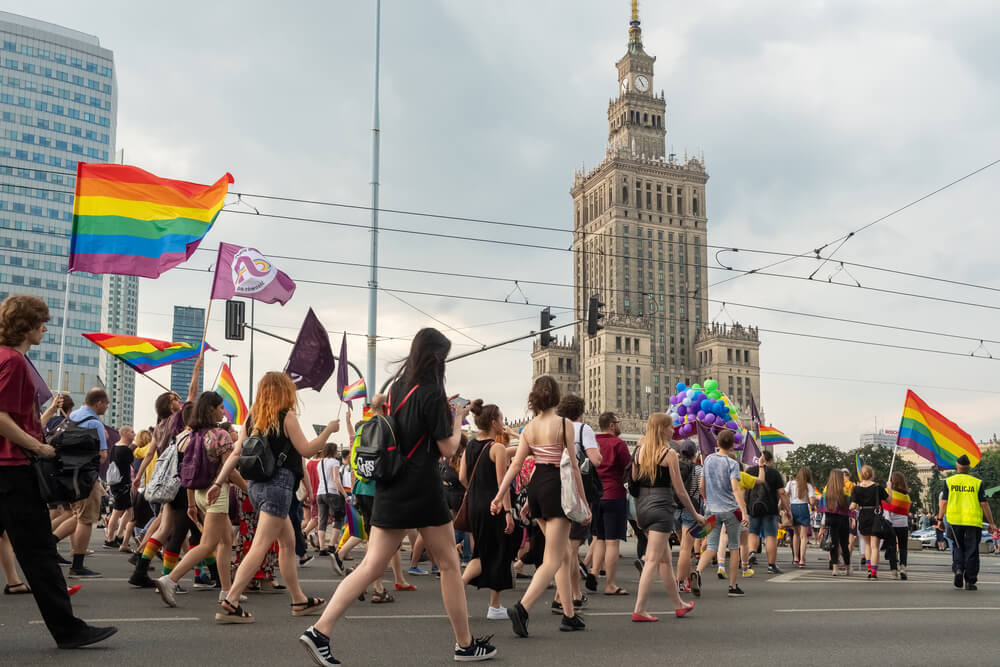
893, 463
373, 282
62, 342
217, 376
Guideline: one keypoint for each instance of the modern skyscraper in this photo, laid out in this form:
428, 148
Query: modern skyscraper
189, 325
58, 106
640, 229
119, 315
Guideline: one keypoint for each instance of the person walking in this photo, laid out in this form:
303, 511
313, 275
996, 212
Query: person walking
765, 502
656, 470
493, 547
800, 496
963, 504
723, 497
611, 517
865, 497
429, 426
24, 517
691, 473
835, 506
545, 437
896, 509
331, 499
121, 490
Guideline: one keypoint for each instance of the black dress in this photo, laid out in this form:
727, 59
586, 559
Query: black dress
416, 499
491, 545
867, 498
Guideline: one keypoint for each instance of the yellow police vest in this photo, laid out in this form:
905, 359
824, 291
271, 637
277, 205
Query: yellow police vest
963, 501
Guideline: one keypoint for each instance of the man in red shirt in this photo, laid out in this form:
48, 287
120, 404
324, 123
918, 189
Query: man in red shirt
611, 518
23, 514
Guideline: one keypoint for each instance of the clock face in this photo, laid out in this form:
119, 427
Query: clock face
624, 86
642, 83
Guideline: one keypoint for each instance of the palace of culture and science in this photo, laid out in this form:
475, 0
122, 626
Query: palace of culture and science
640, 223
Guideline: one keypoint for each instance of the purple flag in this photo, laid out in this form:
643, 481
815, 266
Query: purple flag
245, 272
42, 391
755, 415
342, 380
311, 363
751, 452
706, 439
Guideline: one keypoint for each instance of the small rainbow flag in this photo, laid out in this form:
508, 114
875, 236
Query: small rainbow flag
898, 503
129, 222
698, 532
355, 391
929, 434
857, 464
144, 354
232, 400
367, 414
354, 524
772, 436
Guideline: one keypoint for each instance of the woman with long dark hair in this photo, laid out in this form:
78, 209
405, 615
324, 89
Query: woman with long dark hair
415, 499
836, 515
545, 437
483, 468
897, 509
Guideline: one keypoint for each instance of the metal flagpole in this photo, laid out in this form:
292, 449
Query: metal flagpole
894, 448
250, 393
373, 283
62, 342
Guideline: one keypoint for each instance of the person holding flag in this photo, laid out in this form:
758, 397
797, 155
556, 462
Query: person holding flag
963, 504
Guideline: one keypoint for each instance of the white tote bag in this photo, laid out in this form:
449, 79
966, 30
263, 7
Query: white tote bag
574, 504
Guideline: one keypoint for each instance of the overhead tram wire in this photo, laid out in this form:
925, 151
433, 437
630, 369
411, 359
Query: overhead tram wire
917, 385
786, 255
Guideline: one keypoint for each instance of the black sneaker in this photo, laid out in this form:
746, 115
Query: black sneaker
638, 564
63, 561
959, 579
83, 573
902, 575
736, 592
696, 584
556, 607
113, 544
480, 649
752, 559
773, 569
518, 616
317, 645
141, 580
89, 635
134, 558
336, 563
305, 560
571, 624
971, 587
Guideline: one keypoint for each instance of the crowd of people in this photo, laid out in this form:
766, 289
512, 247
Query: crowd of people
192, 493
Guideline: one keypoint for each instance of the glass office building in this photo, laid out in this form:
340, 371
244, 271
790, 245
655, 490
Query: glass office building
189, 324
58, 106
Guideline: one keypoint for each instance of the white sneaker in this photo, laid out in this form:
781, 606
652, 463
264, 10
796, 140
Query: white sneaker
496, 614
167, 589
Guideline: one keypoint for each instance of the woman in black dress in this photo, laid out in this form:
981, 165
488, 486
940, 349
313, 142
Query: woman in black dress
427, 426
483, 468
866, 496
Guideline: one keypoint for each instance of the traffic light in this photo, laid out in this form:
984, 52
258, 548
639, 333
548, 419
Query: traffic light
235, 320
594, 315
546, 323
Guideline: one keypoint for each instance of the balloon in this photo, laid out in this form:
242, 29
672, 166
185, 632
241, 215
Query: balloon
706, 405
677, 421
686, 402
709, 419
687, 429
714, 395
690, 393
731, 425
701, 415
738, 437
681, 386
696, 387
673, 400
682, 410
711, 385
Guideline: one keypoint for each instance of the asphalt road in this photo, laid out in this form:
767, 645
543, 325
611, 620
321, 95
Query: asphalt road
801, 616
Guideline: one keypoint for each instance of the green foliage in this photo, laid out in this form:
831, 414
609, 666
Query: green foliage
818, 457
988, 470
934, 489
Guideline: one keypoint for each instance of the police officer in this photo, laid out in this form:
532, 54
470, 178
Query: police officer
963, 504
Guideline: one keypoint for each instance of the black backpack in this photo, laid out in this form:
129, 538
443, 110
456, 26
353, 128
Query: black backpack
593, 488
380, 455
75, 469
257, 462
757, 505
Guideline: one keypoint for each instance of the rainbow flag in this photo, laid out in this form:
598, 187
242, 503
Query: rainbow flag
857, 465
772, 436
698, 532
898, 503
354, 524
355, 391
934, 437
232, 400
129, 222
144, 354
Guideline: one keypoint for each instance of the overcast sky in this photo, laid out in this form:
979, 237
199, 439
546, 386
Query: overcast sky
815, 118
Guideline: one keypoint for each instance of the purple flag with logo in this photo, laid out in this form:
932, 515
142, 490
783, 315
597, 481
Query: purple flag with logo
706, 439
245, 272
311, 363
751, 452
342, 380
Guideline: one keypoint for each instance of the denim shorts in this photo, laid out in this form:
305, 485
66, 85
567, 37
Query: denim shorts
275, 495
764, 526
732, 524
686, 519
800, 514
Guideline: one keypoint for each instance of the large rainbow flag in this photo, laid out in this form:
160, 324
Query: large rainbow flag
932, 436
129, 222
144, 354
232, 399
772, 436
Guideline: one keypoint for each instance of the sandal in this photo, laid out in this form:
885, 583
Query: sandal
310, 607
17, 589
233, 614
407, 587
617, 591
384, 596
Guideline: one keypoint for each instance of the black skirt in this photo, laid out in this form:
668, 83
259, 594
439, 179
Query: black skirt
545, 493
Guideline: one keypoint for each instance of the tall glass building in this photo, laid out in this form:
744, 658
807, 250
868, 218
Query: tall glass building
58, 106
189, 323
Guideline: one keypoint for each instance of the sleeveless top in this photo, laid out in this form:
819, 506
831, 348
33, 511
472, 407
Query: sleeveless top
549, 454
662, 479
281, 442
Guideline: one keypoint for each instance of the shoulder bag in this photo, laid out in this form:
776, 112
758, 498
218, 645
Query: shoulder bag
461, 520
574, 505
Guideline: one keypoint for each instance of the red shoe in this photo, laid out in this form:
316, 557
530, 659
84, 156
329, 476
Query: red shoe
683, 611
73, 590
647, 618
408, 587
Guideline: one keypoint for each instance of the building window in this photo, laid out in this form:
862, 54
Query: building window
618, 347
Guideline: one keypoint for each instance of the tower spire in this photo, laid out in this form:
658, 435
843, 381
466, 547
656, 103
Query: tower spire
634, 31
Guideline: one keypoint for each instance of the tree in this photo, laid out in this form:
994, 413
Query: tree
934, 488
819, 458
988, 470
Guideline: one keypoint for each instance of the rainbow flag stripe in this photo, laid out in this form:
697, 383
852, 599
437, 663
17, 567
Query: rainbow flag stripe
898, 503
698, 532
932, 436
144, 354
772, 436
232, 400
354, 524
129, 222
355, 391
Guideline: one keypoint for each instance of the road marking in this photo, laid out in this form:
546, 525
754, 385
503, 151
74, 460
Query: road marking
816, 611
583, 613
787, 577
172, 619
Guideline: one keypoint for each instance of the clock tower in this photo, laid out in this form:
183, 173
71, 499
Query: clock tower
635, 118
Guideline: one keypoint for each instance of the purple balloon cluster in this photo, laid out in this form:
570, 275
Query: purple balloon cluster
704, 404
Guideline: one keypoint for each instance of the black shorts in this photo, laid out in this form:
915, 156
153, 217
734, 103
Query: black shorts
545, 493
330, 506
121, 496
611, 519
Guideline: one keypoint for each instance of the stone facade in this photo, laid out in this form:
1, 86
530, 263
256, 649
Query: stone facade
640, 230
